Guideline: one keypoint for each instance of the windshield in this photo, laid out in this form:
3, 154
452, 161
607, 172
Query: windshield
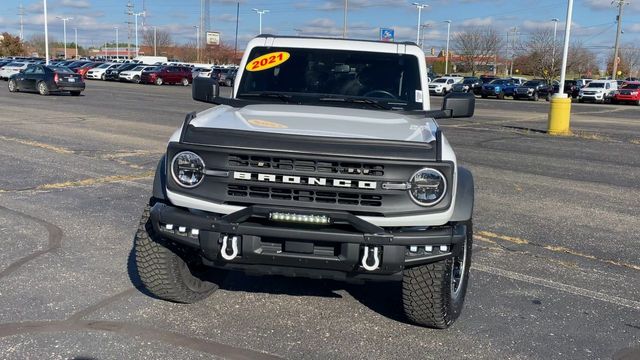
469, 81
103, 66
632, 86
439, 81
314, 75
61, 69
16, 64
500, 82
138, 68
531, 83
595, 85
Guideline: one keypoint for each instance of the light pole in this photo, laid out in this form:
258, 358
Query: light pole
560, 112
136, 22
76, 31
346, 9
197, 27
117, 44
553, 52
446, 55
260, 13
155, 41
420, 7
46, 33
64, 27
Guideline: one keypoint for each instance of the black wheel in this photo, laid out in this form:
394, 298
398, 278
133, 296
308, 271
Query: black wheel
501, 96
536, 97
580, 101
516, 97
75, 93
185, 82
43, 89
159, 81
637, 102
103, 77
483, 96
168, 273
136, 79
13, 86
433, 294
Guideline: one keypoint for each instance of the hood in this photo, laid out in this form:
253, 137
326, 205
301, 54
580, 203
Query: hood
320, 121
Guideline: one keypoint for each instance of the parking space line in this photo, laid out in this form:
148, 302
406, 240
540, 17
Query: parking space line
87, 182
56, 149
558, 286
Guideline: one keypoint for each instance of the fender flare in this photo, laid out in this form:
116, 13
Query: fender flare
160, 181
463, 206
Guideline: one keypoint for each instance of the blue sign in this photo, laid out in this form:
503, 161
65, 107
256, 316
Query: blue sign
387, 34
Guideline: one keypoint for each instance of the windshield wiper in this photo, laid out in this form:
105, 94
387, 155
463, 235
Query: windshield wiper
283, 97
353, 100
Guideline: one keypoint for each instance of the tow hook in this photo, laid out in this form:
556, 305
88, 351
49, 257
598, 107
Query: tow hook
234, 248
376, 258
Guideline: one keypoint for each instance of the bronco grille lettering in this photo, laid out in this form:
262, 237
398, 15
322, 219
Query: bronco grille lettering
316, 181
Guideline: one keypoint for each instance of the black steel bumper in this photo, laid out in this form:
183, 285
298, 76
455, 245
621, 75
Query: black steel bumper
317, 251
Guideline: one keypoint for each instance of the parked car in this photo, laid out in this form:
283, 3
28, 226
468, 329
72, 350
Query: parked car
469, 84
167, 75
443, 85
99, 72
12, 68
531, 90
509, 90
134, 74
599, 91
630, 93
82, 70
114, 73
583, 82
488, 78
571, 88
47, 79
496, 88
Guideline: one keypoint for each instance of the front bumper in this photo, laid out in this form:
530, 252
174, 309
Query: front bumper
332, 251
627, 97
436, 90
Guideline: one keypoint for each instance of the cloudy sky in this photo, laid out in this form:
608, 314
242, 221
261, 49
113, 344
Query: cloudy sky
594, 20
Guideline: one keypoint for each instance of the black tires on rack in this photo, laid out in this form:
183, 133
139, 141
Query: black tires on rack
433, 294
169, 273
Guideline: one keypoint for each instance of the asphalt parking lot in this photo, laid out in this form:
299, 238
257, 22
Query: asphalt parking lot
555, 275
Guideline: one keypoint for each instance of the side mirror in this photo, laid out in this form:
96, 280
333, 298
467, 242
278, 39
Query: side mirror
461, 105
205, 89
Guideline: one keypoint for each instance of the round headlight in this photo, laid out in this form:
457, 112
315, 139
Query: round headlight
187, 169
428, 187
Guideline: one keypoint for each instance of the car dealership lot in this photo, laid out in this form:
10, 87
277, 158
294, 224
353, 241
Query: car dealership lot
555, 274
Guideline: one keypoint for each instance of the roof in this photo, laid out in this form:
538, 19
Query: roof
333, 38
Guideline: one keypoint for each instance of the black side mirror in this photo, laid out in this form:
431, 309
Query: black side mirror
461, 105
205, 89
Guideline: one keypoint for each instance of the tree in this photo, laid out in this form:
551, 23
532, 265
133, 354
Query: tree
477, 47
163, 40
630, 54
37, 42
11, 45
543, 56
581, 61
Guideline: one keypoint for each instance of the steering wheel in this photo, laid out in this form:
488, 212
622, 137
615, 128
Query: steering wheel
382, 92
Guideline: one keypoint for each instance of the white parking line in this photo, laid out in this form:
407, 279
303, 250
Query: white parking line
558, 286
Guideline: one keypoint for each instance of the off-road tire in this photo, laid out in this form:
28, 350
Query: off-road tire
13, 86
427, 295
164, 271
43, 89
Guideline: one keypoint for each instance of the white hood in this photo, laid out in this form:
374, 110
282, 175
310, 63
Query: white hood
320, 121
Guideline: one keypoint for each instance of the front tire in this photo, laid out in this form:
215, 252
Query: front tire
185, 82
501, 96
103, 77
159, 81
433, 294
536, 97
169, 274
136, 79
13, 86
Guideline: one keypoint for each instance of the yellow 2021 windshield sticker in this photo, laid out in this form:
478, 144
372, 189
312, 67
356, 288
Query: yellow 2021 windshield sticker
268, 61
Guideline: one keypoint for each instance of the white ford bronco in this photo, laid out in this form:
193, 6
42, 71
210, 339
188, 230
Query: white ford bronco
325, 162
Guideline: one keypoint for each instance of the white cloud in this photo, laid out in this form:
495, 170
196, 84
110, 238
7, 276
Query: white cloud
486, 21
78, 4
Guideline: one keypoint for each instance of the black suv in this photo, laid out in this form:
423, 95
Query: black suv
469, 84
531, 90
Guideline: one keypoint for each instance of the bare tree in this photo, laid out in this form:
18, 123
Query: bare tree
37, 42
163, 40
477, 47
581, 61
542, 54
630, 54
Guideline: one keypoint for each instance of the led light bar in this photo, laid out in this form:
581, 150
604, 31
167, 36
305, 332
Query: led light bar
299, 218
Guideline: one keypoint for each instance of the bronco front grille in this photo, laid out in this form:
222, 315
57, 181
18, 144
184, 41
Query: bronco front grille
300, 165
308, 196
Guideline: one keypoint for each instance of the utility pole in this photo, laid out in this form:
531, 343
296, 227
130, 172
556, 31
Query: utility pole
513, 49
424, 26
446, 55
129, 23
117, 44
21, 13
419, 7
64, 27
346, 10
155, 41
136, 21
46, 33
620, 4
235, 48
260, 13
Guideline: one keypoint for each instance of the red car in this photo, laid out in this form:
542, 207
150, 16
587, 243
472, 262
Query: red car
630, 92
82, 70
167, 75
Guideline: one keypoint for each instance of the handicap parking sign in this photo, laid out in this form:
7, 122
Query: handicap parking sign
386, 34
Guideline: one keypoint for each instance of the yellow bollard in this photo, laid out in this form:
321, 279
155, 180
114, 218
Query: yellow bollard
559, 116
